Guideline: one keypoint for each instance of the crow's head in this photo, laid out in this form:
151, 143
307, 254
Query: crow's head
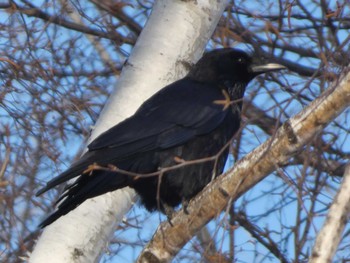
229, 65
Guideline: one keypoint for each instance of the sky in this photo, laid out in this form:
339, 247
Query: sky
254, 202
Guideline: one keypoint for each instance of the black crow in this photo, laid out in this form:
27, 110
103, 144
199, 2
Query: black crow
175, 143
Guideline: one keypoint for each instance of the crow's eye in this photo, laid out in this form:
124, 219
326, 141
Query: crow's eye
241, 60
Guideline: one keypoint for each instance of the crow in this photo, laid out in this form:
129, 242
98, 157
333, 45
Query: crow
175, 143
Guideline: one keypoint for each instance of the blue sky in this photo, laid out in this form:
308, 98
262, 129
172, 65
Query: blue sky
255, 202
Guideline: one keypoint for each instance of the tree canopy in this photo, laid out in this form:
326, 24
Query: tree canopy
60, 60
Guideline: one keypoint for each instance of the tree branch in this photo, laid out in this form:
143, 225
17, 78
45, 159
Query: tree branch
288, 140
269, 125
260, 235
328, 238
36, 12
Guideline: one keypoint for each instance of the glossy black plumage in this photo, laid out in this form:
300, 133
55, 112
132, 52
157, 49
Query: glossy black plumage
190, 119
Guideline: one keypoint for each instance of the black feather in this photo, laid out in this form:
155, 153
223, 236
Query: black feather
190, 119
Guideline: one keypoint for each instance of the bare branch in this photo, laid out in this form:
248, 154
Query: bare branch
36, 12
261, 236
289, 139
329, 237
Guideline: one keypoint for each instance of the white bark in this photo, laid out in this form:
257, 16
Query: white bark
328, 238
177, 31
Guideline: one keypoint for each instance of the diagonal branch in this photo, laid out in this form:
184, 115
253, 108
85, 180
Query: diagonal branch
262, 236
328, 238
268, 124
289, 139
58, 20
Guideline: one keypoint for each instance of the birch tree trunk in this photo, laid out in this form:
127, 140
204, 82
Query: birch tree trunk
175, 35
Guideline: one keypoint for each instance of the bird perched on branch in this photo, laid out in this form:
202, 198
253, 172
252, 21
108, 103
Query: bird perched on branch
174, 145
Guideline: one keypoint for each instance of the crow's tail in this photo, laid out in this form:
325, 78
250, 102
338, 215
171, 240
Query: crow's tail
85, 187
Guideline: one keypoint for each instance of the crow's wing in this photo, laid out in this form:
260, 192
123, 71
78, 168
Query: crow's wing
171, 117
185, 104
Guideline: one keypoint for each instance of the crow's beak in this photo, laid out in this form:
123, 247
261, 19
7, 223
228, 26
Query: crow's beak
259, 69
